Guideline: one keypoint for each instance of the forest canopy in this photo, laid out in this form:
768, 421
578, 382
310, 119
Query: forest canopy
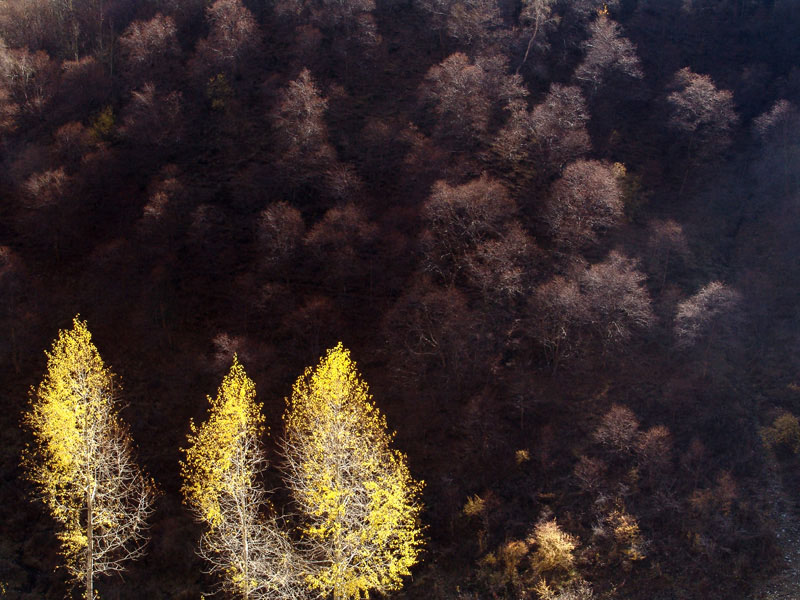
560, 236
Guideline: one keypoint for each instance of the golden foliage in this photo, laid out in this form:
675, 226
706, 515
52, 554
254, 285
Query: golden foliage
475, 506
501, 569
784, 432
219, 92
542, 565
234, 415
242, 544
75, 388
102, 124
554, 548
627, 536
356, 492
81, 461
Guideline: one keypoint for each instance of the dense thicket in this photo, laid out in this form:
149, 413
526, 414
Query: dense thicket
559, 236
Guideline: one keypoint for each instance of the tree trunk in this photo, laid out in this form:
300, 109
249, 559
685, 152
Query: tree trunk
89, 548
246, 558
530, 44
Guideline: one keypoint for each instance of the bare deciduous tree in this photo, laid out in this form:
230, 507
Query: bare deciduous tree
152, 118
47, 188
29, 77
149, 47
777, 129
83, 86
620, 304
348, 24
548, 136
590, 473
431, 330
557, 314
698, 316
606, 52
619, 429
300, 129
535, 16
280, 235
459, 218
301, 114
343, 244
604, 304
71, 142
473, 24
654, 451
780, 121
585, 201
703, 114
465, 93
233, 35
501, 267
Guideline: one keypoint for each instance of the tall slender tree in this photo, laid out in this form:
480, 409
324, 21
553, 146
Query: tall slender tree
82, 463
358, 498
243, 543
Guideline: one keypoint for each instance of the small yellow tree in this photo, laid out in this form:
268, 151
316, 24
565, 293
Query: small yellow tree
360, 503
554, 548
553, 561
81, 461
221, 483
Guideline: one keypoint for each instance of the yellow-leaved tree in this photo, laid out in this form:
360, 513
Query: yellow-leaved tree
81, 461
243, 543
359, 503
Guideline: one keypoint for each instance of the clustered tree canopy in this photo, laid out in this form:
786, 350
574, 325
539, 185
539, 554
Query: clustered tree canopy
359, 506
357, 503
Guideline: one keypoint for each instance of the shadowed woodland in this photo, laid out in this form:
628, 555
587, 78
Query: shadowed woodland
559, 238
